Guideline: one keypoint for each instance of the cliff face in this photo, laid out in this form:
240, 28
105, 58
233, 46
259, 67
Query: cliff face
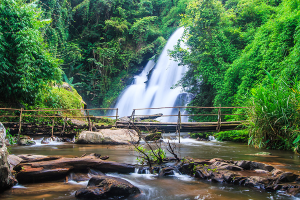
7, 180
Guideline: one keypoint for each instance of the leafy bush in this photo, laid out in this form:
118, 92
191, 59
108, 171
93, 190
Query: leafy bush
150, 156
235, 136
274, 115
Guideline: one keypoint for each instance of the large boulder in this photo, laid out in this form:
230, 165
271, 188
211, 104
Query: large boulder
6, 178
26, 141
105, 187
108, 136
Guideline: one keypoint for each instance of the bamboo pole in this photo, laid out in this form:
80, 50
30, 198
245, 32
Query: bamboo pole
52, 127
20, 124
88, 118
116, 117
179, 124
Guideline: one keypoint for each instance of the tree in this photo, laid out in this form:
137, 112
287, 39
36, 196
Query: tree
25, 65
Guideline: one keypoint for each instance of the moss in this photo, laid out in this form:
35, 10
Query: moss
153, 136
61, 97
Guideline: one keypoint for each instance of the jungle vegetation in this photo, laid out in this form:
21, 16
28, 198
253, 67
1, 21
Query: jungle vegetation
240, 53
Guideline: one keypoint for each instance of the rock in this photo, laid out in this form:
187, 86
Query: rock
105, 187
58, 168
26, 141
79, 177
294, 192
125, 119
143, 170
261, 171
204, 174
36, 158
244, 164
257, 165
104, 157
167, 171
153, 136
108, 136
13, 161
7, 180
287, 177
257, 181
65, 139
218, 178
276, 172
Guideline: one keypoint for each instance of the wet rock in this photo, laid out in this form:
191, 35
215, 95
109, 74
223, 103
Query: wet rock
261, 171
218, 178
294, 192
77, 176
153, 136
26, 141
65, 139
287, 177
231, 167
204, 174
13, 161
257, 181
55, 169
104, 157
244, 164
276, 172
105, 187
36, 158
216, 159
108, 136
143, 170
167, 171
7, 180
257, 165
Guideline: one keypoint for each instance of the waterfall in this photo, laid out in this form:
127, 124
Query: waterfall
156, 92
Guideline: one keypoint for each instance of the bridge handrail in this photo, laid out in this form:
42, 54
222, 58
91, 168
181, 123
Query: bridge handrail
88, 116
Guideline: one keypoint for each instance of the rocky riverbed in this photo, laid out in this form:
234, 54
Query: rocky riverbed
38, 168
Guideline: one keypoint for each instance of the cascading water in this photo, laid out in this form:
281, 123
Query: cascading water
156, 92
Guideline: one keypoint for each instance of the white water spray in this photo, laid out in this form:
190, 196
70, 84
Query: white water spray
156, 92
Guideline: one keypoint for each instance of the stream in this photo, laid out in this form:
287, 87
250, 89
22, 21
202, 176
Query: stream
174, 187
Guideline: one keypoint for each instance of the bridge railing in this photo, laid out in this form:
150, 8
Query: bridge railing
219, 114
63, 114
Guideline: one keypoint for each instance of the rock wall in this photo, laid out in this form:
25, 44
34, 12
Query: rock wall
6, 178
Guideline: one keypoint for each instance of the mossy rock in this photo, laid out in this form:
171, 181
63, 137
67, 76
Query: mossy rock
153, 136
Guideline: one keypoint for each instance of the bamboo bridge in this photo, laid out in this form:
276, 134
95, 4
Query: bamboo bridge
45, 121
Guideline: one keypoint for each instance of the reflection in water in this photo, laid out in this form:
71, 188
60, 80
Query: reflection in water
175, 187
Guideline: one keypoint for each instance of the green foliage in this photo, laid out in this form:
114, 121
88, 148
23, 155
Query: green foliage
274, 115
200, 135
26, 66
235, 136
153, 156
12, 140
103, 43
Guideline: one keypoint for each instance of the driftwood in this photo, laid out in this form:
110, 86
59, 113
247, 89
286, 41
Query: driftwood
60, 167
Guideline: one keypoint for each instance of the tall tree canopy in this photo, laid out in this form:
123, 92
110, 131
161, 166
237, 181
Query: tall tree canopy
26, 66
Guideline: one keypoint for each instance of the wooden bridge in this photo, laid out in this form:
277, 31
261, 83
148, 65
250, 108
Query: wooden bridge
59, 117
179, 126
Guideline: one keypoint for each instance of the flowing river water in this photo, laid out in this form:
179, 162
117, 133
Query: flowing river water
153, 187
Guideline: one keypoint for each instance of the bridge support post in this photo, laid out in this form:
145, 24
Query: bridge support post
116, 117
52, 127
179, 124
219, 119
20, 124
89, 121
